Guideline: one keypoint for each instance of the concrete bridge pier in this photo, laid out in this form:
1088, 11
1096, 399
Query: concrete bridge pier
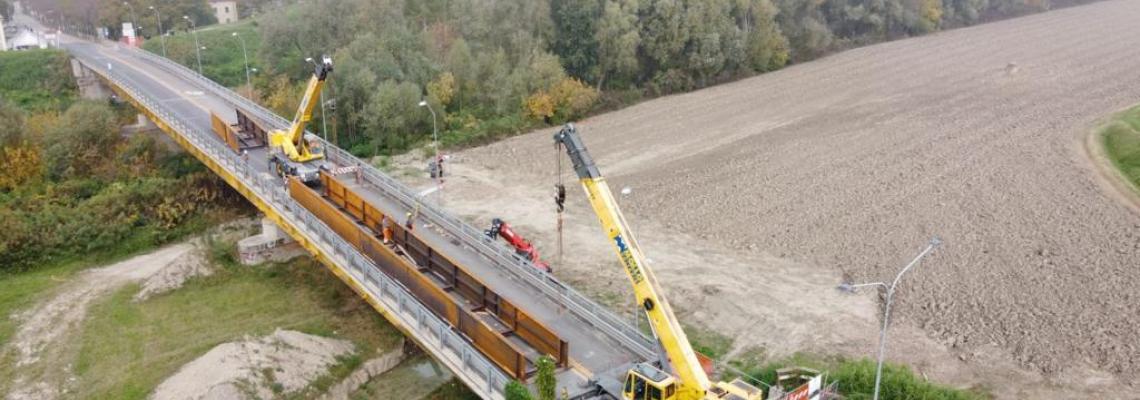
90, 86
271, 244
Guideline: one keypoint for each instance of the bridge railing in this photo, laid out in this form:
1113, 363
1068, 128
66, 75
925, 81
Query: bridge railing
504, 257
435, 334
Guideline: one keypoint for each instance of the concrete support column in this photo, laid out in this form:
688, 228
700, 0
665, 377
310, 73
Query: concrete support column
90, 86
272, 244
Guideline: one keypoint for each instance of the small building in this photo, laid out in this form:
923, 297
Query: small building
225, 10
27, 39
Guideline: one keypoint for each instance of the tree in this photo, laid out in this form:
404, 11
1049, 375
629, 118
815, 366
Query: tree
442, 88
21, 164
461, 64
392, 115
572, 99
663, 34
712, 39
282, 96
545, 381
6, 10
11, 124
540, 106
516, 391
82, 141
575, 36
930, 15
766, 48
618, 39
804, 25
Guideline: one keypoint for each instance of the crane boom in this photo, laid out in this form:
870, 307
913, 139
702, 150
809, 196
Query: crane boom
291, 152
305, 109
693, 382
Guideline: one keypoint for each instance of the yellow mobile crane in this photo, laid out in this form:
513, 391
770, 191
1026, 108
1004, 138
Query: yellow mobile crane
646, 381
292, 151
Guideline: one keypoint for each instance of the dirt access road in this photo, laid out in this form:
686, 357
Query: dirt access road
774, 187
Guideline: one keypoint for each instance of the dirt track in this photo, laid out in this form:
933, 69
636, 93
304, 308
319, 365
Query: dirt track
848, 165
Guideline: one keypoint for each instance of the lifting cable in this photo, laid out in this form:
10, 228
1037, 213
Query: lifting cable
559, 197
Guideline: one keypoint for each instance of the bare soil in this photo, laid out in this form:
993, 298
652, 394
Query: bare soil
189, 265
255, 368
754, 199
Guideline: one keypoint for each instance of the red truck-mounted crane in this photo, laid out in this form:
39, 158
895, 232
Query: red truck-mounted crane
523, 247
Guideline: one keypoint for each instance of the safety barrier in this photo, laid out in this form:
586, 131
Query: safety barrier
385, 294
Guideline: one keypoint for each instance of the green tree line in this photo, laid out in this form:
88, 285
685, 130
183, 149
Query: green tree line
493, 68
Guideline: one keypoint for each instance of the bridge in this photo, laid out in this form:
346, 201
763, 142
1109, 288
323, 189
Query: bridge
469, 301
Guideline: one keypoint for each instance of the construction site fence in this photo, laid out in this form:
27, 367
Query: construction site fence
433, 334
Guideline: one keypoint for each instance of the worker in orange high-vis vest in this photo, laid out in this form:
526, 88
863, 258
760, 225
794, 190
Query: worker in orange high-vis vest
386, 230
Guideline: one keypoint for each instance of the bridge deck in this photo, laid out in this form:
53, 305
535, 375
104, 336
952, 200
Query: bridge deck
599, 343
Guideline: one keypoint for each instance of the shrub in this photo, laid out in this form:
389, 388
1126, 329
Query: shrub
857, 377
516, 391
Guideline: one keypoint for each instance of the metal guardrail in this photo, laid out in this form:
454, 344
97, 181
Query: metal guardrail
435, 334
503, 257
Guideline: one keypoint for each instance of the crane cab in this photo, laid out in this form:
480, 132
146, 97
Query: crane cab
645, 382
314, 146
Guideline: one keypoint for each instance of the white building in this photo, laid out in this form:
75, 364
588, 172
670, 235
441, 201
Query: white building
225, 11
27, 39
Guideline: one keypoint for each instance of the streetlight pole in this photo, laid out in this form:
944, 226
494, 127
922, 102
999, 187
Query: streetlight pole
435, 146
161, 34
850, 288
197, 47
249, 87
134, 20
434, 130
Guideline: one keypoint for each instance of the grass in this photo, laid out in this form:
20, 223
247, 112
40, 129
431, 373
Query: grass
452, 390
1121, 139
415, 378
222, 58
20, 290
128, 348
856, 377
37, 79
712, 344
